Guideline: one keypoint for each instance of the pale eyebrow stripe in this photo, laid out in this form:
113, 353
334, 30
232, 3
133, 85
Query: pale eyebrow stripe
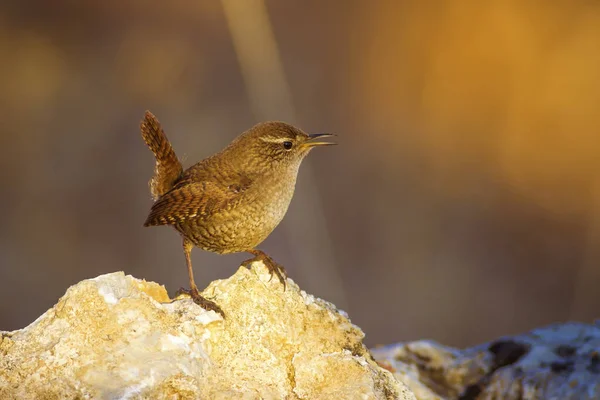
271, 139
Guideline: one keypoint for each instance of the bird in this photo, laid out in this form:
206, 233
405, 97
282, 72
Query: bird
231, 201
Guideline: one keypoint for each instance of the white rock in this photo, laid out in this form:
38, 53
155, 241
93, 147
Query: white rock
117, 337
555, 362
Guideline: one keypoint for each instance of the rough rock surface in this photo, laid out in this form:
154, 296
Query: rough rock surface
117, 337
555, 362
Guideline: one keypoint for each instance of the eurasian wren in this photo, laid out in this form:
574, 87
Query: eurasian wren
231, 201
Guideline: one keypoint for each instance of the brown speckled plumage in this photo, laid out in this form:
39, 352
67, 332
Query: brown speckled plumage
168, 168
229, 202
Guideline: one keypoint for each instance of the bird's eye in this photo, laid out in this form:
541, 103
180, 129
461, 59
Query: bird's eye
287, 145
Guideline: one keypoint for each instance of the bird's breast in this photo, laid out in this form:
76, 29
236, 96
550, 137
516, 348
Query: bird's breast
271, 201
246, 222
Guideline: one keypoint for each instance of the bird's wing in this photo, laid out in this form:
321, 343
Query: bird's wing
194, 199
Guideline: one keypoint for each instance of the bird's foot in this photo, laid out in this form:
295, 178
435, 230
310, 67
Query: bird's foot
273, 267
201, 301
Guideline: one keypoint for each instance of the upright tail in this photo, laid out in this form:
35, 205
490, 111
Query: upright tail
168, 168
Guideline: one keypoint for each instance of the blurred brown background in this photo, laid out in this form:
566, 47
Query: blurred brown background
462, 204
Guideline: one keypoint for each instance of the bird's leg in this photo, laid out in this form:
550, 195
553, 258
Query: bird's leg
187, 251
272, 266
193, 291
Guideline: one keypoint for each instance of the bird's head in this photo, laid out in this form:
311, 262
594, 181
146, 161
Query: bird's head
277, 144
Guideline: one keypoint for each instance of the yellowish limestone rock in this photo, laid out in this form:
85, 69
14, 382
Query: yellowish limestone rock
117, 337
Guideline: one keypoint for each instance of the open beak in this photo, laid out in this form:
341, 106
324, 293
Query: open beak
313, 140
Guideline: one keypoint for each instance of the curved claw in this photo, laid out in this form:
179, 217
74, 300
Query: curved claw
273, 267
201, 301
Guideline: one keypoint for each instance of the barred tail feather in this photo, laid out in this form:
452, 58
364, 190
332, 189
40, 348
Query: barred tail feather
168, 167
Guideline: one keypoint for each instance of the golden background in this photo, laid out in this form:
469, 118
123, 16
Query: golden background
463, 202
